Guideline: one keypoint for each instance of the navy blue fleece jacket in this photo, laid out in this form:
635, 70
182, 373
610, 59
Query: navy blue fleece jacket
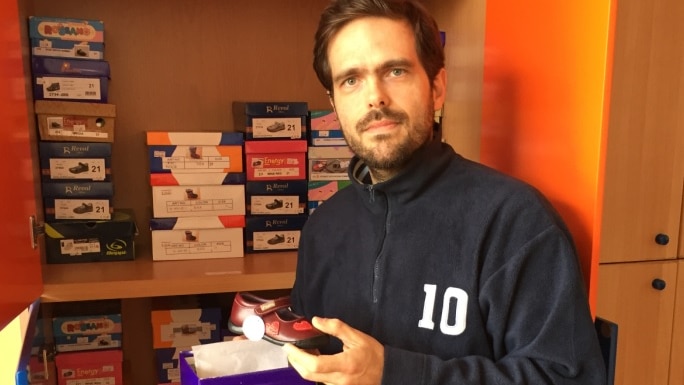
465, 275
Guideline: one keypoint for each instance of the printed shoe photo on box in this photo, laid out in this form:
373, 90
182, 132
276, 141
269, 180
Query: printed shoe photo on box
82, 167
281, 325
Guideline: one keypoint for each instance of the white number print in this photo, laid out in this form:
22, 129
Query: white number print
452, 296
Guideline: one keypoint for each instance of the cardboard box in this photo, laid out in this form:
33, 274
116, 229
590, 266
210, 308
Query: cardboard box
167, 362
195, 159
78, 200
75, 121
197, 243
282, 376
91, 241
42, 374
271, 233
91, 332
325, 129
275, 160
276, 197
329, 163
67, 49
185, 327
75, 160
271, 120
204, 138
197, 201
102, 367
71, 88
43, 65
203, 178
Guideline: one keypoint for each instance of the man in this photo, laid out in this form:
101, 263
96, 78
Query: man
429, 269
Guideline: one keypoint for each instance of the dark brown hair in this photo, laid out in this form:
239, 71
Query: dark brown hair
340, 12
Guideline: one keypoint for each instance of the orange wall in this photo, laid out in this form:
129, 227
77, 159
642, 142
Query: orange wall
545, 87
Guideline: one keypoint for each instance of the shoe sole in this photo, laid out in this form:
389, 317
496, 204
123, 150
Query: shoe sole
312, 343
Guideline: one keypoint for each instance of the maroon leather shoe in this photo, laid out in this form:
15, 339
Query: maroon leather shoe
281, 324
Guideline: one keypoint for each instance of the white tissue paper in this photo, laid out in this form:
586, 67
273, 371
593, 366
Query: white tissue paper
237, 357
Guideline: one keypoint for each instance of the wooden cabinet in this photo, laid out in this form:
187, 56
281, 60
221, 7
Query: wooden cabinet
643, 193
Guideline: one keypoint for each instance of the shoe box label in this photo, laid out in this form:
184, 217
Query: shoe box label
78, 241
44, 65
325, 129
81, 208
196, 201
165, 138
96, 169
197, 243
102, 367
275, 160
203, 178
76, 333
85, 50
270, 233
75, 121
185, 327
92, 89
276, 197
329, 163
188, 223
271, 120
166, 360
195, 159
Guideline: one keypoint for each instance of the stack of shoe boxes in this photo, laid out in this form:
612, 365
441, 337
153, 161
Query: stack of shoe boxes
76, 127
177, 330
328, 159
275, 163
88, 349
198, 194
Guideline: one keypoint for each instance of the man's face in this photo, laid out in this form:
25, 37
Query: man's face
382, 94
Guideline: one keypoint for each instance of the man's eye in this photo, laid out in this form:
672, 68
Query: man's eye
397, 72
350, 82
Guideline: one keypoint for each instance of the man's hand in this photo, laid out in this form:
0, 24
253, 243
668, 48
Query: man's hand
360, 362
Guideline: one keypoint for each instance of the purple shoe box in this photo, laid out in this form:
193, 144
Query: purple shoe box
43, 65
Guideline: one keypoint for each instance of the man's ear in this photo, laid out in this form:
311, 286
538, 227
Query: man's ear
439, 89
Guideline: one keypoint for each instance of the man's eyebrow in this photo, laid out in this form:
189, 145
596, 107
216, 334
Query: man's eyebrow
395, 63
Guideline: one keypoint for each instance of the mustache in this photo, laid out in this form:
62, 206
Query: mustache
378, 114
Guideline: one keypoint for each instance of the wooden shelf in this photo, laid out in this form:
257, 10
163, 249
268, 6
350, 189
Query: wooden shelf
146, 278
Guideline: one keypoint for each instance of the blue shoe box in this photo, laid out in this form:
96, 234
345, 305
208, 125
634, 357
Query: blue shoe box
271, 120
168, 369
91, 241
276, 197
273, 232
42, 65
281, 376
75, 160
78, 200
66, 37
92, 332
71, 88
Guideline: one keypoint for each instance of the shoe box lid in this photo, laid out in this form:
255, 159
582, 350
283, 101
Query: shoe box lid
75, 160
75, 241
270, 109
74, 150
78, 189
204, 222
204, 178
280, 376
291, 194
275, 222
59, 28
257, 118
45, 65
195, 138
275, 146
75, 121
196, 243
195, 159
276, 187
330, 152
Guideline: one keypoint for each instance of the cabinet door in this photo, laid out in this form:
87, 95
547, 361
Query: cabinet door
633, 296
677, 356
20, 274
644, 166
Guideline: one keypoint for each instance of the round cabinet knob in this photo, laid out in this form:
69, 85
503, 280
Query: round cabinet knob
662, 239
658, 284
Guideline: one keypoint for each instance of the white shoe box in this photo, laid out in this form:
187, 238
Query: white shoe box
169, 245
197, 201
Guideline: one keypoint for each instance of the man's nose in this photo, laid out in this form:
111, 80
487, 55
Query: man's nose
377, 94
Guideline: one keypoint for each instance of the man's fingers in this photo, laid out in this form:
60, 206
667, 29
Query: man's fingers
336, 328
309, 366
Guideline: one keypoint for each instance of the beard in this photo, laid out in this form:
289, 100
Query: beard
390, 152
